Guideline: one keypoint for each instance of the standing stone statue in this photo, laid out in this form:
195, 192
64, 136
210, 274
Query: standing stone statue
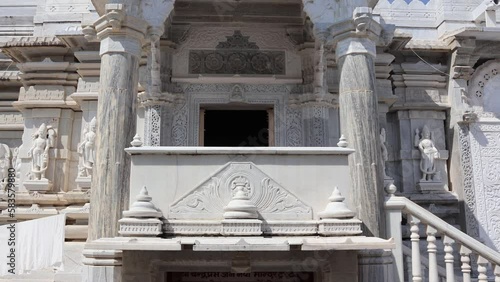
16, 163
4, 165
39, 152
428, 152
86, 149
385, 155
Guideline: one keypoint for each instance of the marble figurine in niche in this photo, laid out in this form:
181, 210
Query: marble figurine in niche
43, 140
86, 149
429, 153
385, 154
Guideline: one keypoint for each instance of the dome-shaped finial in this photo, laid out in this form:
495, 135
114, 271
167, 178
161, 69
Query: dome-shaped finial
336, 208
142, 219
137, 142
342, 142
142, 207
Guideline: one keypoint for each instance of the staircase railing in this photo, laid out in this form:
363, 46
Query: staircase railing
451, 236
425, 264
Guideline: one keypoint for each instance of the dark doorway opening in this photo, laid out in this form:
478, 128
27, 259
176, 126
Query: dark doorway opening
236, 128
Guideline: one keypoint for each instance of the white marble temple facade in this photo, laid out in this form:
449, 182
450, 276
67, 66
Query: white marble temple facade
321, 69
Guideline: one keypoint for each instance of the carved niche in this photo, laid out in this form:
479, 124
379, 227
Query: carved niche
237, 55
207, 201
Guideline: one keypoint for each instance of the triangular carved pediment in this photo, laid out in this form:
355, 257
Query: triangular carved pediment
207, 201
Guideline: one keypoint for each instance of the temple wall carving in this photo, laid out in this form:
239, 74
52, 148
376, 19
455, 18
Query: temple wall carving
273, 44
480, 152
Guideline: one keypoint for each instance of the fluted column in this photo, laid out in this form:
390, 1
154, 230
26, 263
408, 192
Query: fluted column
121, 39
355, 51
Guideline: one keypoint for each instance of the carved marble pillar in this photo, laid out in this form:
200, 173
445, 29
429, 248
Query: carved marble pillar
355, 51
121, 37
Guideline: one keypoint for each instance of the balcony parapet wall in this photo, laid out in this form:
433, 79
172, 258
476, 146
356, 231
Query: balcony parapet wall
192, 187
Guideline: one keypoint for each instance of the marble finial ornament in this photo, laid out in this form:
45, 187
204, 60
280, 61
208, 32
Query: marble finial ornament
336, 208
142, 207
342, 142
391, 189
240, 206
137, 141
142, 219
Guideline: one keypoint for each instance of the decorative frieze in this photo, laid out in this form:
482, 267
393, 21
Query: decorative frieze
191, 227
50, 92
241, 227
237, 62
325, 227
11, 118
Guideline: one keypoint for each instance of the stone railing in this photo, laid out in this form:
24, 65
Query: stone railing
488, 260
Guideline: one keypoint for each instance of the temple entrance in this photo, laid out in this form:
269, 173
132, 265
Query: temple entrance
236, 128
240, 277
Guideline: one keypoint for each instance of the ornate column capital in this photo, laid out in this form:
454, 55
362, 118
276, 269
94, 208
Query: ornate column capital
357, 35
118, 32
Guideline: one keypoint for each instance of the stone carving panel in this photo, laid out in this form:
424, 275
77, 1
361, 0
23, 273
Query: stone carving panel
152, 126
236, 62
294, 137
207, 201
237, 55
485, 156
468, 179
179, 125
11, 118
276, 54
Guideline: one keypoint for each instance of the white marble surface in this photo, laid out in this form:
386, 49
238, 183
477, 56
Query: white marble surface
170, 174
